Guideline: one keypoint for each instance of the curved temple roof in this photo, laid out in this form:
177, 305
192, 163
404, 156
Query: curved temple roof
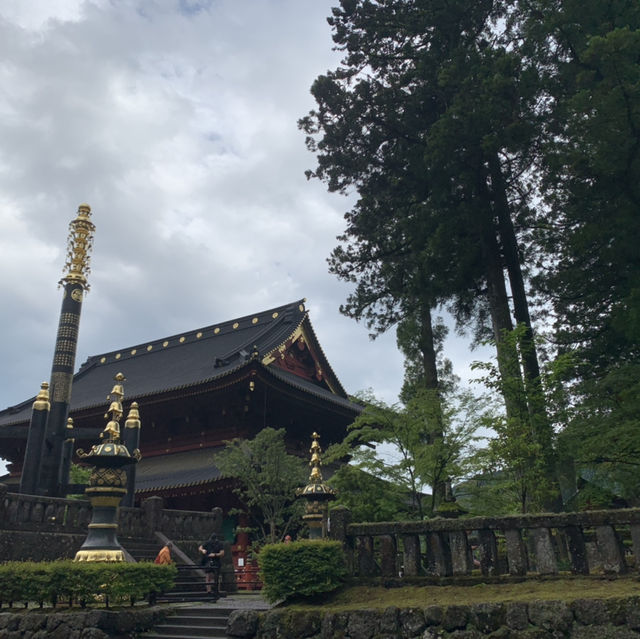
199, 356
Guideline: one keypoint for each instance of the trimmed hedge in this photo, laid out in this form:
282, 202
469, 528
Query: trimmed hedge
301, 568
70, 581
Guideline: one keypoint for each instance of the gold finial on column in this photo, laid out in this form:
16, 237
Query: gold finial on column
317, 494
42, 400
79, 244
133, 418
111, 432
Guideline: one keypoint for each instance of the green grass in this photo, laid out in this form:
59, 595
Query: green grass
561, 589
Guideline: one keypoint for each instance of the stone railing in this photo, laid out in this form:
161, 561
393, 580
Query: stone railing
579, 543
190, 524
34, 513
39, 514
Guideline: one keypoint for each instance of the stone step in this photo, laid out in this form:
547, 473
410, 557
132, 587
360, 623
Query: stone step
199, 620
187, 595
183, 634
202, 612
180, 630
193, 622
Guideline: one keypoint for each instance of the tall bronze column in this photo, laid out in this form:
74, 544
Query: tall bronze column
75, 284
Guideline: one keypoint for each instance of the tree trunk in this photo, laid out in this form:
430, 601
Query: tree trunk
427, 349
507, 354
536, 404
429, 362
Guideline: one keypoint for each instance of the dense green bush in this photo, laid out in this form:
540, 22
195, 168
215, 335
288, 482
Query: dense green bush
301, 568
69, 581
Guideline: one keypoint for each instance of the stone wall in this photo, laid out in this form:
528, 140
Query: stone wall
43, 546
581, 619
92, 624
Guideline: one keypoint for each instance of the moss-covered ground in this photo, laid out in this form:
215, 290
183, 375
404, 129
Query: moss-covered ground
561, 589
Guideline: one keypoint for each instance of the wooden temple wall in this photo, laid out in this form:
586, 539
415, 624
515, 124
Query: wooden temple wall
593, 542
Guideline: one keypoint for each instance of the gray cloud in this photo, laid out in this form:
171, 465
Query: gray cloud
176, 121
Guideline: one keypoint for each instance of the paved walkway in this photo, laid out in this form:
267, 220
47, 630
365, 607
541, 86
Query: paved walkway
236, 601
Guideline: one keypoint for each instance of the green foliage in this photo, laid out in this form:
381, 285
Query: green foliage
495, 151
267, 478
79, 474
82, 582
301, 569
432, 118
368, 497
412, 447
516, 462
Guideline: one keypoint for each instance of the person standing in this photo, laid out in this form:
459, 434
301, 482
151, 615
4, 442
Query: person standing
164, 556
212, 551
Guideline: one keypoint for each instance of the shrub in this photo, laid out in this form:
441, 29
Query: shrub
301, 568
83, 582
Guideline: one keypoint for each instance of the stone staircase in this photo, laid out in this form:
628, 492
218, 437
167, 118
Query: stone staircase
192, 622
141, 549
190, 582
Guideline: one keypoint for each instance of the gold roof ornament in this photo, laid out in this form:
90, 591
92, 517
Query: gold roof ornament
79, 245
133, 418
316, 489
110, 452
42, 400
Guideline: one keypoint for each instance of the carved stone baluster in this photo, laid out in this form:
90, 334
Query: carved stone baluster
62, 518
12, 511
411, 559
24, 514
545, 555
49, 512
389, 552
84, 516
37, 513
488, 552
610, 550
439, 554
366, 563
577, 550
516, 552
461, 559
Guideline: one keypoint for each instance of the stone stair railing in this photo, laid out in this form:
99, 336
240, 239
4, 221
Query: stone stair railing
593, 542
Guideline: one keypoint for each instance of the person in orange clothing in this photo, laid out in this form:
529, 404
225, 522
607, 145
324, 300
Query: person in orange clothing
164, 556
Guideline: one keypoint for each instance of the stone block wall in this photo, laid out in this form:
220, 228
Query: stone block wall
92, 624
617, 618
18, 545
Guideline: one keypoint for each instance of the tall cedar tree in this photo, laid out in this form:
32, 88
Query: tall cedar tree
589, 54
432, 121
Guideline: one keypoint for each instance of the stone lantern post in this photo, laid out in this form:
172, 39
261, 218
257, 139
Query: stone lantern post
107, 484
317, 494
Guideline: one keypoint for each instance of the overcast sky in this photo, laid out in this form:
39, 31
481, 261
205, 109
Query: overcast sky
176, 121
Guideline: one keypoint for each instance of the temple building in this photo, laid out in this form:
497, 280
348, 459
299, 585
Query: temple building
197, 389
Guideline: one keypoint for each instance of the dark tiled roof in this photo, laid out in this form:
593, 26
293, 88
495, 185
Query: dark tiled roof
305, 385
191, 358
178, 470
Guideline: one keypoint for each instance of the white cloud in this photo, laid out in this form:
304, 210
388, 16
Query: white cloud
176, 121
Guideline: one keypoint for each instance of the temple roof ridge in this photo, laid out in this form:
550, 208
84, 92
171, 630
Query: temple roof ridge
175, 340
